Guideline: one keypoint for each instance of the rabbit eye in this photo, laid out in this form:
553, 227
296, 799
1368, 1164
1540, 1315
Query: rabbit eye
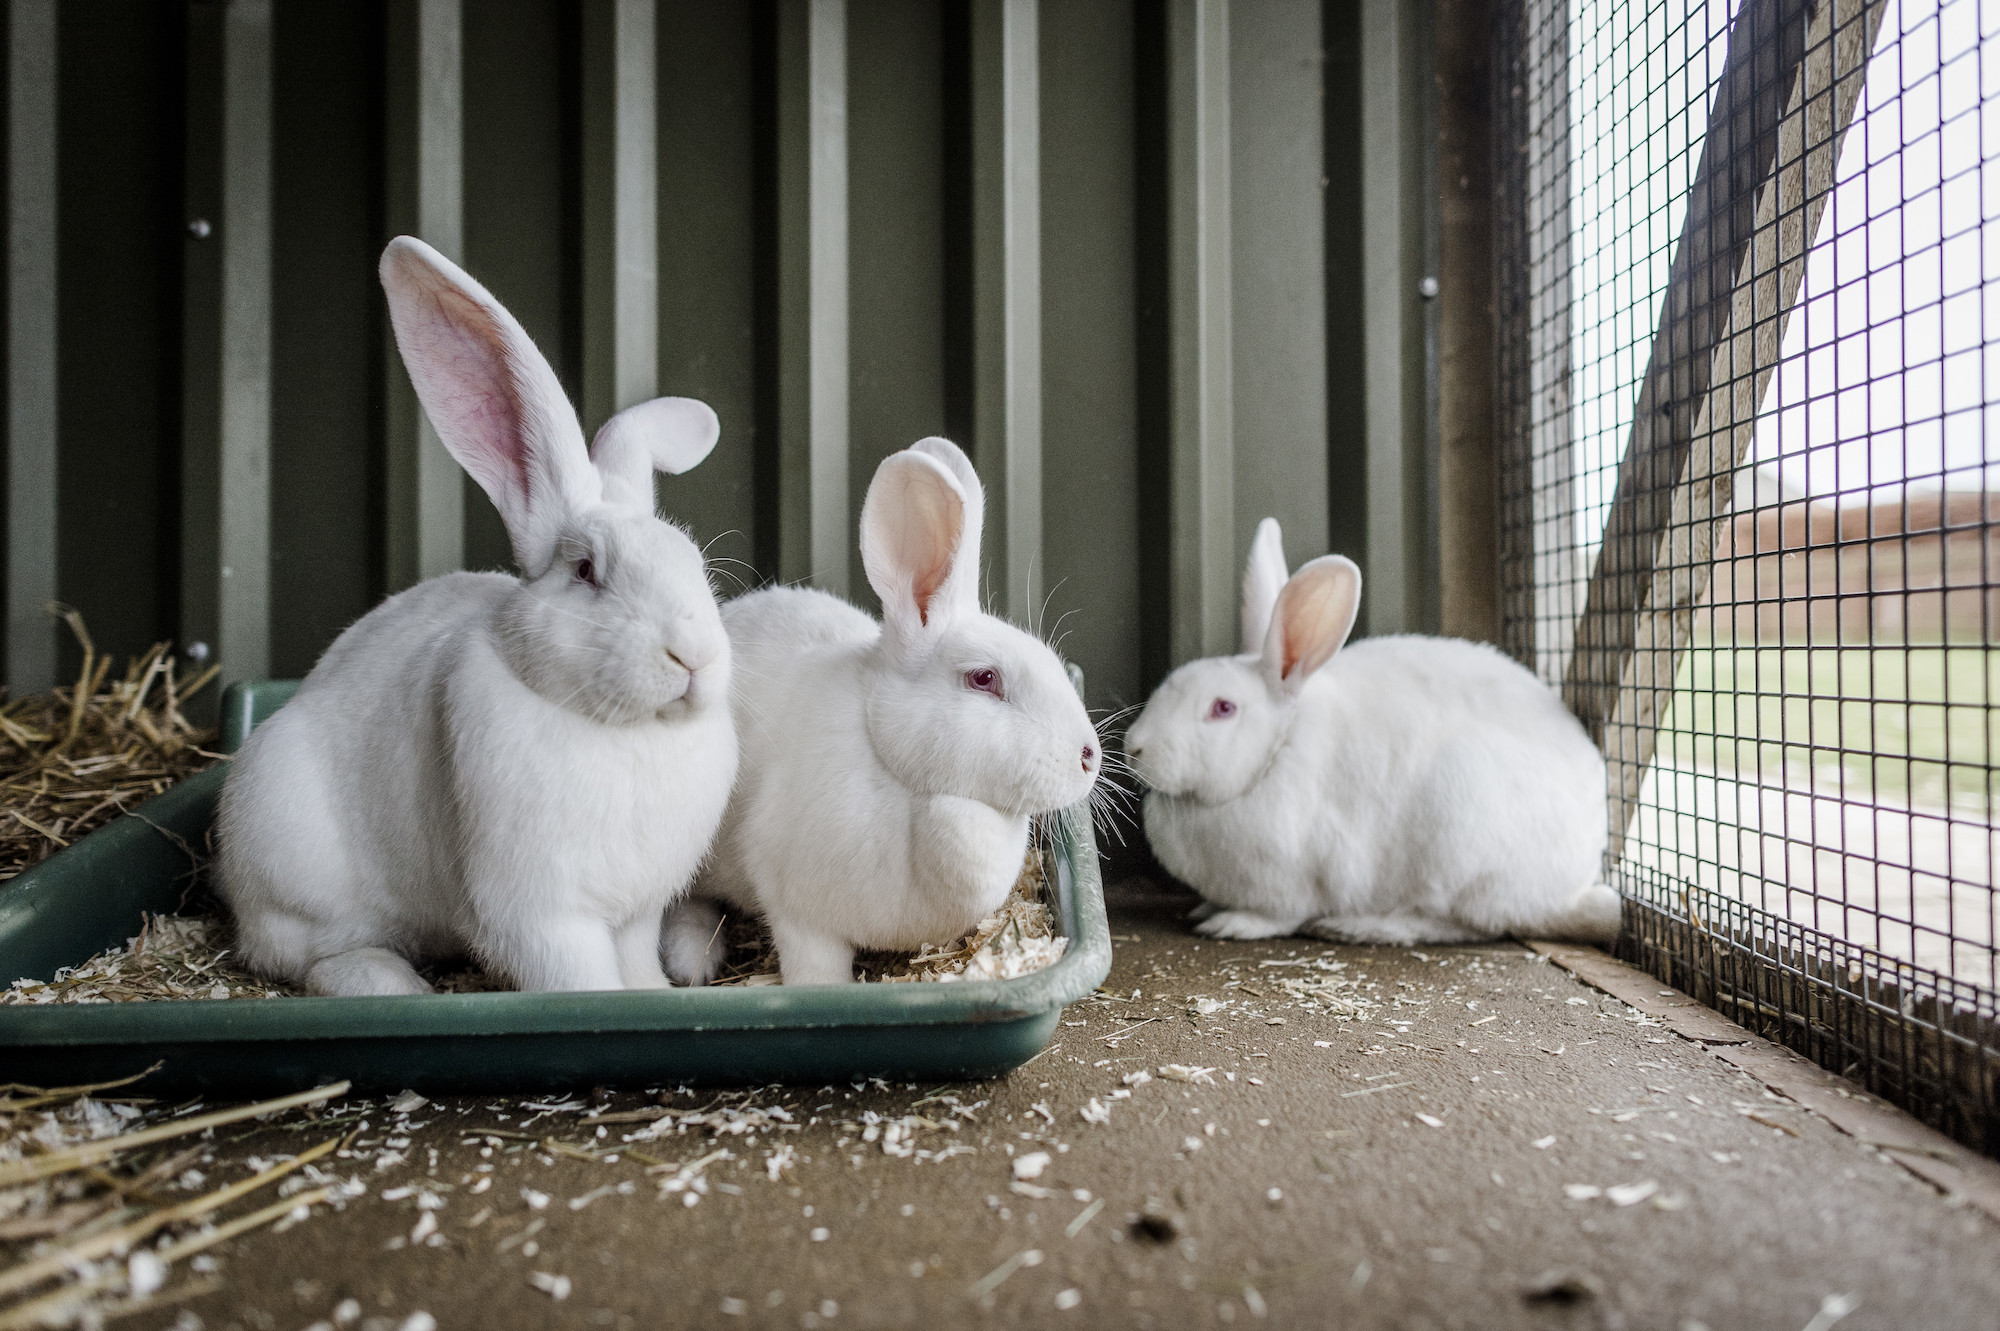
1221, 709
586, 572
985, 679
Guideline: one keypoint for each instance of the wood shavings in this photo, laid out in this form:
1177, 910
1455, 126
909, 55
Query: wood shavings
1323, 986
556, 1287
75, 758
1032, 1165
1187, 1072
991, 1281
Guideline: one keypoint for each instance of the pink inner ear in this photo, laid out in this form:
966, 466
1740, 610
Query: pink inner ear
933, 529
1311, 620
477, 392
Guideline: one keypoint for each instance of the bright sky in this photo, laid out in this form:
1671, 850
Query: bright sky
1882, 380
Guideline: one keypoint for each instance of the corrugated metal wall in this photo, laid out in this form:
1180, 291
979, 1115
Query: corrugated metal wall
1157, 263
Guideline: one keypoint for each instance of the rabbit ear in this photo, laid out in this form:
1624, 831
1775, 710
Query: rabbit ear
1314, 615
963, 584
1263, 579
669, 434
493, 400
913, 526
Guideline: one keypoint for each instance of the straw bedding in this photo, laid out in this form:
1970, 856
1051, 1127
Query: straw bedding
190, 956
76, 758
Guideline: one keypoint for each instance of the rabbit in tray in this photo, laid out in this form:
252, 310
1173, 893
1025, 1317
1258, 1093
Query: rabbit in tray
527, 769
1408, 790
891, 770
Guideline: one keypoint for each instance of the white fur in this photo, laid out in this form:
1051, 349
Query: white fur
526, 769
884, 803
1409, 790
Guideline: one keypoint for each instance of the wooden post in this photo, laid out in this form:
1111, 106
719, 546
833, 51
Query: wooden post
1790, 82
426, 158
225, 611
31, 344
815, 526
621, 290
1201, 490
1007, 293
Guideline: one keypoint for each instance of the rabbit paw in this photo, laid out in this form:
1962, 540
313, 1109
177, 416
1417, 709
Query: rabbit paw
691, 941
1243, 924
365, 972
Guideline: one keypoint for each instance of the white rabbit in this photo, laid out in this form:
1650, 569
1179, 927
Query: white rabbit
890, 771
527, 769
1408, 790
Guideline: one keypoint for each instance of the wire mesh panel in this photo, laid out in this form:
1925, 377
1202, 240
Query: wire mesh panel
1750, 303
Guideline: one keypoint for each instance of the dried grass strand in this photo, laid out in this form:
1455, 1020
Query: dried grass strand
39, 1311
86, 1154
27, 1274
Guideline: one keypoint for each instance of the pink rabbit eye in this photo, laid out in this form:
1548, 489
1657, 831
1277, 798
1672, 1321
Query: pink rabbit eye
586, 572
985, 679
1221, 709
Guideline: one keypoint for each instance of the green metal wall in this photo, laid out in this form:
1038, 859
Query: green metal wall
1130, 252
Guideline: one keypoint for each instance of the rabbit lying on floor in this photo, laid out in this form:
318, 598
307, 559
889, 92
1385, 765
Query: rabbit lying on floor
1406, 790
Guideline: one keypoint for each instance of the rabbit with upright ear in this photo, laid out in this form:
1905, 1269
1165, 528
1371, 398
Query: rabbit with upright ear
890, 771
1406, 790
527, 769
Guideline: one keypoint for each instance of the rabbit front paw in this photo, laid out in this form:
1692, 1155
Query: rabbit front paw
692, 947
1244, 924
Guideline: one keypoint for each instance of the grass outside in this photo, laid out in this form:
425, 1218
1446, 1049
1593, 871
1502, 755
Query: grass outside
1907, 724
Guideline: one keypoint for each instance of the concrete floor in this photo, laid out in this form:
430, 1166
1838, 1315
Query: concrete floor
1317, 1194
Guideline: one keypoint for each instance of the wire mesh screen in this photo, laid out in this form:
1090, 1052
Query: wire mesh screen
1750, 342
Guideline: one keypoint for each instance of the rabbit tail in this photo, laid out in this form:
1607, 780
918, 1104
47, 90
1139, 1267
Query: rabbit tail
1592, 916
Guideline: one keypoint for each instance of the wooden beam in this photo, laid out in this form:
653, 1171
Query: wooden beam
1467, 470
1400, 560
243, 620
31, 345
426, 158
621, 289
815, 537
1007, 293
1543, 574
1788, 90
225, 462
1201, 489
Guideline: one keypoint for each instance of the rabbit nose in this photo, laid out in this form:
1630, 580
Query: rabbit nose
674, 656
1089, 756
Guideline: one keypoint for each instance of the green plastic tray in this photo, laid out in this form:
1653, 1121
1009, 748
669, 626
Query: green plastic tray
91, 896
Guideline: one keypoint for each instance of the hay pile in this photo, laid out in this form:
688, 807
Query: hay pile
76, 758
174, 956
